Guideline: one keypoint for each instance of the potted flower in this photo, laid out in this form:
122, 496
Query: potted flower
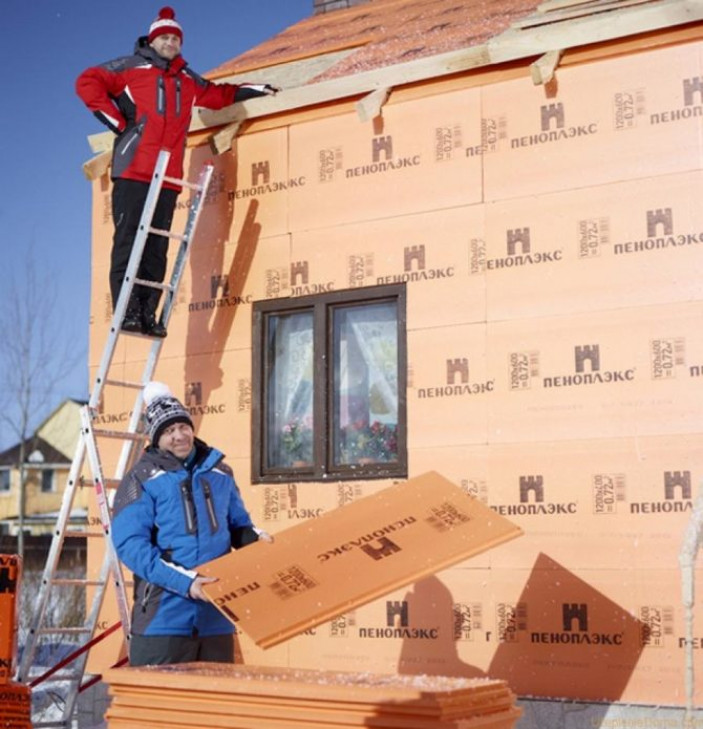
365, 443
296, 443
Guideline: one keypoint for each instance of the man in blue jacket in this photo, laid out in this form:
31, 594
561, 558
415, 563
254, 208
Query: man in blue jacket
179, 507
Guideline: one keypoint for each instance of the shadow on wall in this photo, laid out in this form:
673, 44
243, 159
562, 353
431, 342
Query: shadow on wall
562, 639
209, 330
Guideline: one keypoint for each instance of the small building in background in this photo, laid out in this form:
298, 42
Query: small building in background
48, 454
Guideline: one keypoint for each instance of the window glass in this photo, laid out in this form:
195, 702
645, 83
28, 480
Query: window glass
366, 384
290, 390
4, 479
47, 480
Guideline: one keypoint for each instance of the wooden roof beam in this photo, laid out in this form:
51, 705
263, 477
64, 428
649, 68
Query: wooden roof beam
542, 70
370, 106
517, 43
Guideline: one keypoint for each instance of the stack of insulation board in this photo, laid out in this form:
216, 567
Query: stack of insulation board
244, 697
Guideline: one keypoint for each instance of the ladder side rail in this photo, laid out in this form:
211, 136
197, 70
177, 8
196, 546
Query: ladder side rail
51, 566
127, 454
130, 274
70, 697
184, 249
176, 275
79, 663
103, 506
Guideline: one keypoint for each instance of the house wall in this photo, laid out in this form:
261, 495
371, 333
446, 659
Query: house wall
550, 240
61, 429
36, 501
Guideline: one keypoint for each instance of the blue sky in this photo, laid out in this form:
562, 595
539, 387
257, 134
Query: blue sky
44, 197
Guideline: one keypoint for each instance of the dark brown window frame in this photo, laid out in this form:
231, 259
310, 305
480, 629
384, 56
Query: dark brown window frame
322, 305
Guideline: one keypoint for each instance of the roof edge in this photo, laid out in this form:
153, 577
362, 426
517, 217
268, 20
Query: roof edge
512, 45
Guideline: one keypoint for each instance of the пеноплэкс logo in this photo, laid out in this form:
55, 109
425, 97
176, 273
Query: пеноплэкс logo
661, 235
415, 268
587, 362
398, 625
533, 502
692, 97
193, 401
553, 128
519, 252
458, 383
383, 159
575, 630
677, 496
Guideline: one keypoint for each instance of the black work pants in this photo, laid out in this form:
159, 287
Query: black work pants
155, 650
128, 198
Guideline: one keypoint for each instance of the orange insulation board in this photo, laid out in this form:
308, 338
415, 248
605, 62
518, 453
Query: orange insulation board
316, 571
220, 695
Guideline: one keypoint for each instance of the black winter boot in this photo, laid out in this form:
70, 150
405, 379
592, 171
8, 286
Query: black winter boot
150, 326
132, 321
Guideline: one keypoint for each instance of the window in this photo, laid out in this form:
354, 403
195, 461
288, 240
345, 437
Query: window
5, 480
47, 480
329, 386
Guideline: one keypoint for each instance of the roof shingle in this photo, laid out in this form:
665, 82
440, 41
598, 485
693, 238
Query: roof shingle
382, 33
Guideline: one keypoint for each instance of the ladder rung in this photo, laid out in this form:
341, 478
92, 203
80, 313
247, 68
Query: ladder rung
153, 285
76, 581
65, 631
184, 183
124, 383
168, 234
138, 335
83, 535
119, 434
37, 671
111, 483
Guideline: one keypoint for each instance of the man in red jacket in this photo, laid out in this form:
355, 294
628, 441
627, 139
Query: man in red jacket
147, 100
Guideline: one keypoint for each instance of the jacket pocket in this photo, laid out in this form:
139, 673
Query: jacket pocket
210, 505
146, 594
147, 601
126, 147
188, 507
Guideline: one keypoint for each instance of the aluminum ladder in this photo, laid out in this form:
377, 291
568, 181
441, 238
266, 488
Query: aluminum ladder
72, 681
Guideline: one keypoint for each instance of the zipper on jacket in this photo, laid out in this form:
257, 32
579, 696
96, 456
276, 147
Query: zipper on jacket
210, 506
133, 139
147, 594
188, 507
160, 96
178, 96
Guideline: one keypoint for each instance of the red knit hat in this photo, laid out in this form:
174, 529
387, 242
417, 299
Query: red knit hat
165, 23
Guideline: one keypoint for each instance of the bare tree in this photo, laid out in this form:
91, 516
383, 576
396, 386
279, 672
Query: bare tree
36, 355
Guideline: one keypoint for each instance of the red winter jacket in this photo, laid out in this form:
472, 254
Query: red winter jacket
147, 101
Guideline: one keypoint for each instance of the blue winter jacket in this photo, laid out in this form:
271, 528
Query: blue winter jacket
167, 520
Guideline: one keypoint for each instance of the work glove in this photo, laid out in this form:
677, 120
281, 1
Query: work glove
253, 91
